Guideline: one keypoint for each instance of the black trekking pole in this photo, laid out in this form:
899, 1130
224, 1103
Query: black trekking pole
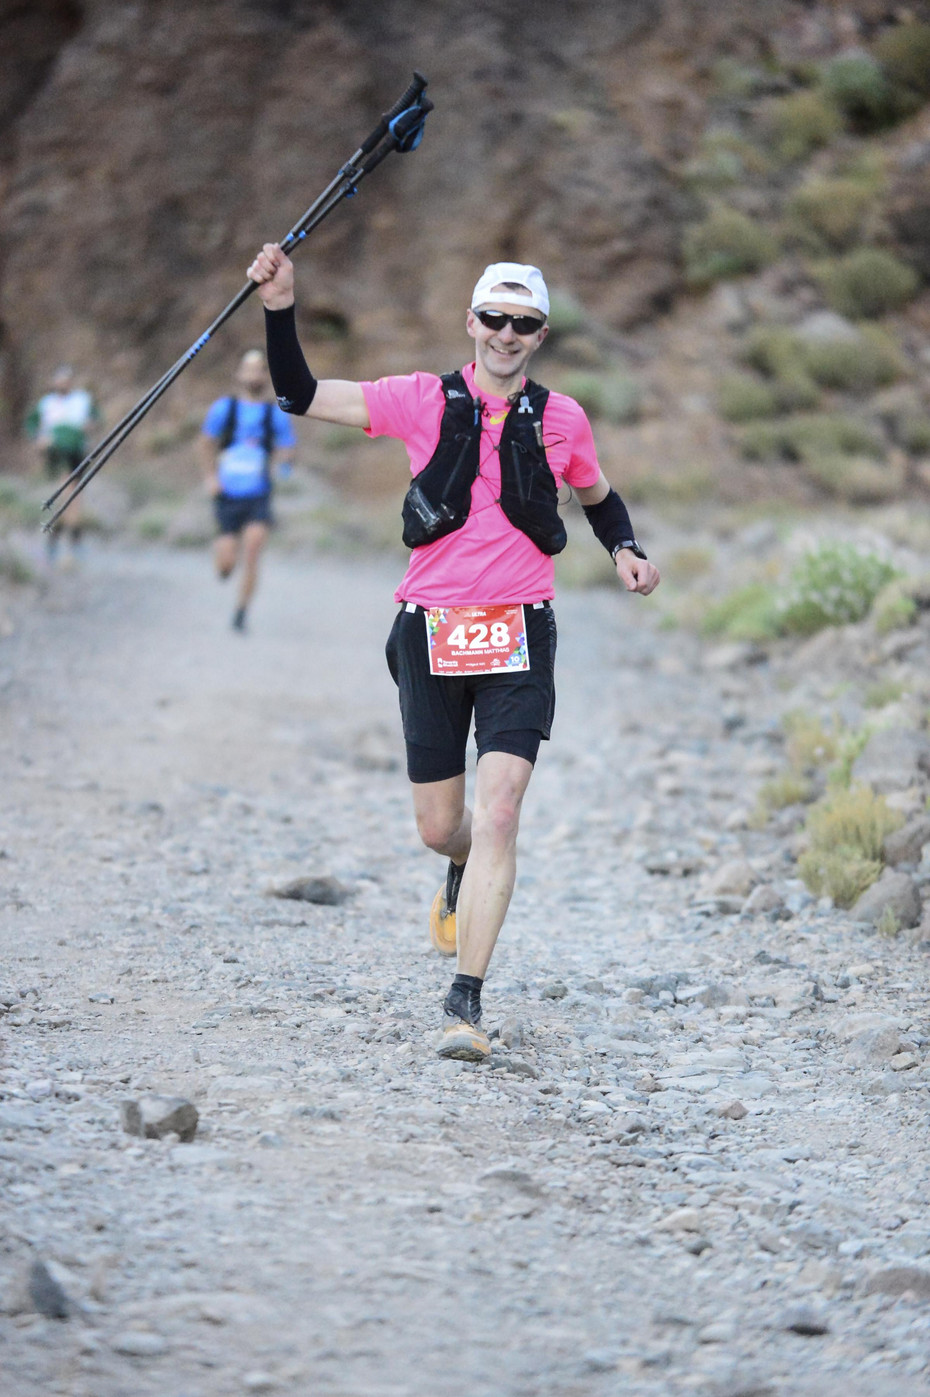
399, 129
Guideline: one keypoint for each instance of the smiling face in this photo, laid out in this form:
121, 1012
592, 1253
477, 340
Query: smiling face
501, 356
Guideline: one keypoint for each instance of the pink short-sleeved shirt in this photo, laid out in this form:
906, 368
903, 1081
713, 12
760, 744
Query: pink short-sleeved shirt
487, 561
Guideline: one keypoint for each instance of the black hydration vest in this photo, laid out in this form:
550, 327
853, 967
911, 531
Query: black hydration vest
229, 427
439, 499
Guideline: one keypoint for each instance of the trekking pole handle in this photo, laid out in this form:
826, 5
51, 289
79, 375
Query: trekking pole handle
414, 117
414, 91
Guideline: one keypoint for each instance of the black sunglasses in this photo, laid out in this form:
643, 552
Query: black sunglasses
497, 319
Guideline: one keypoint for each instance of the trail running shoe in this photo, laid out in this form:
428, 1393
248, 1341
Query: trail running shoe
442, 912
463, 1040
238, 620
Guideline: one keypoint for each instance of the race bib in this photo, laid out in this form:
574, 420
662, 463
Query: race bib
242, 470
467, 640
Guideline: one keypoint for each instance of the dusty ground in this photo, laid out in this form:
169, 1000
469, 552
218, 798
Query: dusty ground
593, 1213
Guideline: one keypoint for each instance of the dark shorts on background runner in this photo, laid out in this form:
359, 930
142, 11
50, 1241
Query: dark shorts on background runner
513, 712
60, 461
233, 514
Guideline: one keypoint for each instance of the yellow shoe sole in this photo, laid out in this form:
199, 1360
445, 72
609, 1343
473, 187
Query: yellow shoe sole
465, 1042
442, 925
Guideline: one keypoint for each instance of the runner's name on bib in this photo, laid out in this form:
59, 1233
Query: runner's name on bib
467, 640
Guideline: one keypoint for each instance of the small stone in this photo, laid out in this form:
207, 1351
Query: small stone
556, 989
763, 901
259, 1382
324, 891
903, 1062
733, 1111
140, 1343
681, 1220
899, 1280
154, 1117
733, 879
511, 1034
718, 1332
46, 1294
104, 997
805, 1320
518, 1066
509, 1176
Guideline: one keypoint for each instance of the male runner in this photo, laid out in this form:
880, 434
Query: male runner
475, 633
245, 437
58, 424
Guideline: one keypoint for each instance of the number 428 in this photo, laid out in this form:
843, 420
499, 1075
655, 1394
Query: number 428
480, 637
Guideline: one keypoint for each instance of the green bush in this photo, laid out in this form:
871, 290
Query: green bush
831, 586
566, 313
867, 283
894, 608
802, 123
726, 244
810, 437
829, 213
749, 613
904, 54
854, 479
778, 353
854, 366
858, 86
613, 396
725, 158
767, 441
832, 433
846, 830
913, 433
741, 398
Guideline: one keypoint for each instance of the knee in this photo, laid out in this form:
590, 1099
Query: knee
498, 820
224, 569
438, 831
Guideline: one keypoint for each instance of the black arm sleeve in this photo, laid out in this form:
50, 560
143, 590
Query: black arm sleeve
610, 521
293, 383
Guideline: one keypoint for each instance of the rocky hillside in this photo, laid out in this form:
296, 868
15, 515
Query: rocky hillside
643, 154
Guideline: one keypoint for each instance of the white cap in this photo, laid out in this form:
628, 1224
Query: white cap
521, 275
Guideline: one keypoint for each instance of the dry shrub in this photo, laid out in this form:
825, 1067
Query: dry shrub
807, 742
855, 479
867, 283
728, 243
904, 53
803, 122
846, 830
830, 213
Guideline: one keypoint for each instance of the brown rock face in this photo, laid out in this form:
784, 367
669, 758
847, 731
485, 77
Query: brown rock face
150, 148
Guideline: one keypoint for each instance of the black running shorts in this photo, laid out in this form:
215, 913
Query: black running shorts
513, 712
233, 514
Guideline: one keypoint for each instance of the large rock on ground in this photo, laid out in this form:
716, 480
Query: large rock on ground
893, 760
894, 893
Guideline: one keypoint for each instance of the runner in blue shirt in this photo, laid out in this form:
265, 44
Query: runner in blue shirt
245, 439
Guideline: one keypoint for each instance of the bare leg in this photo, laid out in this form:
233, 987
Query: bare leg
487, 885
225, 554
443, 819
488, 839
253, 541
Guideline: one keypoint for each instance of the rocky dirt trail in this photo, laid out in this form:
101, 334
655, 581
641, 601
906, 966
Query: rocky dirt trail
696, 1164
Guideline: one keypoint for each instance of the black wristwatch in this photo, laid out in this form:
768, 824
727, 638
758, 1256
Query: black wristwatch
629, 543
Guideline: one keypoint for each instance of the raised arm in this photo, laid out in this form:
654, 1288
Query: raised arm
330, 399
608, 517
